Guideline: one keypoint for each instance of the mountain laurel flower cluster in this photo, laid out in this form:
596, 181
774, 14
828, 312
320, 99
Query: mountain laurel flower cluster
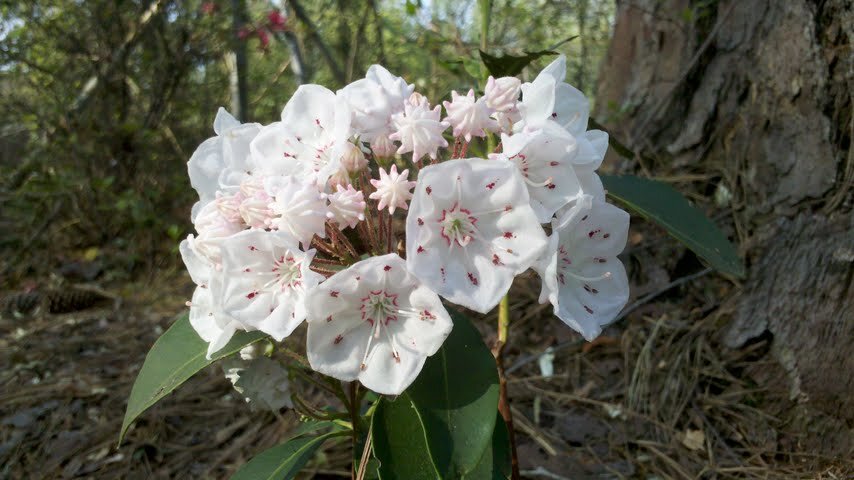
362, 210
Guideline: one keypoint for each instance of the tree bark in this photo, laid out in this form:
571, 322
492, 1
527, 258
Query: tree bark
758, 93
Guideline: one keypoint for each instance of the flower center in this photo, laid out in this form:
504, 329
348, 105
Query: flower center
379, 307
458, 226
286, 273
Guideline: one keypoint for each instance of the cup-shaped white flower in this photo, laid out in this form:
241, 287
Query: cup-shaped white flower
548, 98
208, 319
373, 100
310, 140
220, 156
265, 280
582, 276
544, 158
375, 322
471, 229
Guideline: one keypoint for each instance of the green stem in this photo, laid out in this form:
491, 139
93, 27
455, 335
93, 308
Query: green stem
503, 319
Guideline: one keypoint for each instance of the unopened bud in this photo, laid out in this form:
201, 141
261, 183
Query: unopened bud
503, 93
353, 160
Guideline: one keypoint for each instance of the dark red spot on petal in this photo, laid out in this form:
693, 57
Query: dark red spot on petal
251, 295
496, 260
420, 221
589, 310
428, 190
333, 293
338, 339
508, 234
420, 249
490, 186
473, 279
387, 268
607, 235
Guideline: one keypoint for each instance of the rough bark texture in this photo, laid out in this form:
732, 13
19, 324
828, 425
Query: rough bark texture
758, 94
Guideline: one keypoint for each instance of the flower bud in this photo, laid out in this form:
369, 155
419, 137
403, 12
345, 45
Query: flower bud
353, 159
383, 146
503, 93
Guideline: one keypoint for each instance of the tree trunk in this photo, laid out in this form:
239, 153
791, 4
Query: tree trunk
758, 94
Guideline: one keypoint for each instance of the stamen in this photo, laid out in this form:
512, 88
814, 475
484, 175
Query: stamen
538, 184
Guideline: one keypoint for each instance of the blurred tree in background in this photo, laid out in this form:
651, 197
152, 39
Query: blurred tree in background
104, 101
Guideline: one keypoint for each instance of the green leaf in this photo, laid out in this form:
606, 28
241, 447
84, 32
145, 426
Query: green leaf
509, 65
399, 442
495, 462
661, 204
456, 396
282, 461
451, 406
175, 357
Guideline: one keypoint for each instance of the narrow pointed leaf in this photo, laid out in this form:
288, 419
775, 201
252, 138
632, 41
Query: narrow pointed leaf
662, 204
283, 461
175, 357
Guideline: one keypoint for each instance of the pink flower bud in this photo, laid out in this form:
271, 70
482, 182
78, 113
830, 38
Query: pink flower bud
503, 93
353, 159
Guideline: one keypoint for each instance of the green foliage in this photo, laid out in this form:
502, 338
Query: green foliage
283, 461
495, 462
175, 357
510, 65
451, 405
663, 205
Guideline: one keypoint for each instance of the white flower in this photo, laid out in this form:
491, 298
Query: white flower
265, 279
502, 94
203, 251
346, 206
299, 209
224, 155
375, 322
469, 117
419, 130
373, 100
392, 189
209, 321
310, 140
544, 157
471, 229
262, 381
548, 98
582, 276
